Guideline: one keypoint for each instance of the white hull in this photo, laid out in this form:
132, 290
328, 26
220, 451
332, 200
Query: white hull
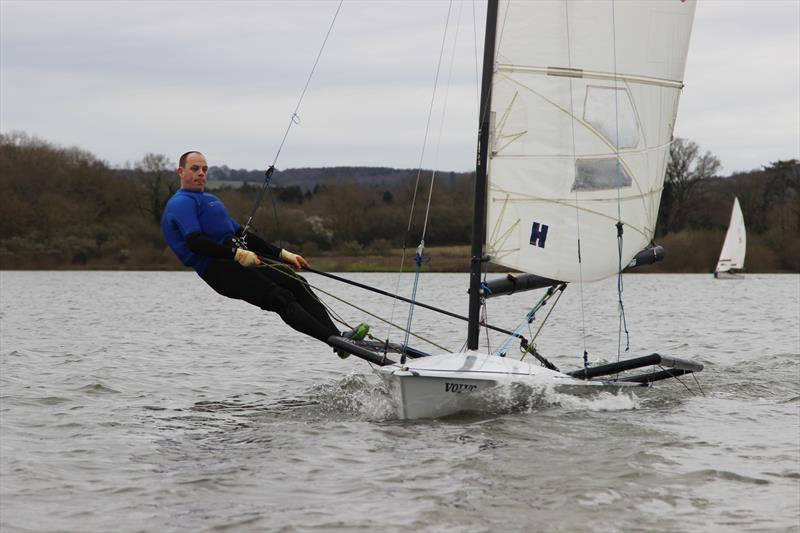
727, 274
446, 384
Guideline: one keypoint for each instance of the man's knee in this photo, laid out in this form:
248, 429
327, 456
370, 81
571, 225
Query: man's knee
278, 300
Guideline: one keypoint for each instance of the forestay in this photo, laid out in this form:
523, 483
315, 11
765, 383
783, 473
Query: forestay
733, 250
584, 101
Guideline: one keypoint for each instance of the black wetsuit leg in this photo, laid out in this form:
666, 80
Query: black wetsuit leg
230, 279
287, 278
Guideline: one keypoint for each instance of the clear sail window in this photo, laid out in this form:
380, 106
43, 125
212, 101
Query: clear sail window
599, 174
610, 111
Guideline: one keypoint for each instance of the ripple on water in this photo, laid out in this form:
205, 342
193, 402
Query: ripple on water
97, 388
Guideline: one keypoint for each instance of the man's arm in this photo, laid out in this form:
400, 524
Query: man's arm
202, 245
259, 245
262, 247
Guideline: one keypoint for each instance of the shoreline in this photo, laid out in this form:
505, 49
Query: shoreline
438, 259
342, 264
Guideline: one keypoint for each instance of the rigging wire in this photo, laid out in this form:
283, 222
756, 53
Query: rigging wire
441, 126
531, 348
419, 171
623, 324
421, 247
577, 208
294, 119
530, 317
485, 320
678, 379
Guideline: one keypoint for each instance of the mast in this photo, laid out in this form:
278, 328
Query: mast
479, 211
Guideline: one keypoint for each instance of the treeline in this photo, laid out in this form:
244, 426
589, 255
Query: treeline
696, 208
63, 208
306, 179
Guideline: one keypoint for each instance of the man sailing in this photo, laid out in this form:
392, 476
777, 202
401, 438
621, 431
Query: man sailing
199, 230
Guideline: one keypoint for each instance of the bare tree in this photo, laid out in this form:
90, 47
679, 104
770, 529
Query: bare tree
156, 174
781, 192
686, 168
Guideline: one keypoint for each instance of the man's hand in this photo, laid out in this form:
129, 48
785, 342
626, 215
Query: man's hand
246, 258
297, 261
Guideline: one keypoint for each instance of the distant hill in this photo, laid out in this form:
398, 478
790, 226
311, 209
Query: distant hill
309, 178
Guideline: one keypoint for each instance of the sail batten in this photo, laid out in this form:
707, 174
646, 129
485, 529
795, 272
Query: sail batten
584, 100
580, 73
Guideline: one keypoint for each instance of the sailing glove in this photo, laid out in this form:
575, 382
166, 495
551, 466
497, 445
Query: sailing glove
246, 258
297, 261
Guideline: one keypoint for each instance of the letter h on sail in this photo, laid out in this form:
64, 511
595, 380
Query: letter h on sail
538, 234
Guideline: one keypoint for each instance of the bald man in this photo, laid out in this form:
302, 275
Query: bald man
202, 234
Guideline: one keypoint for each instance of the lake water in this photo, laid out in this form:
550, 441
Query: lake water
143, 401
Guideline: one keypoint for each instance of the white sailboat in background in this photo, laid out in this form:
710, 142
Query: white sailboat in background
578, 104
731, 258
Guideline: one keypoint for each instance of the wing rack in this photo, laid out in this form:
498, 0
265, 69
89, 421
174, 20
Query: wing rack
675, 367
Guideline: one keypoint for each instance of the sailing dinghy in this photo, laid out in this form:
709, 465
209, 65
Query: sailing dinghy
731, 258
578, 104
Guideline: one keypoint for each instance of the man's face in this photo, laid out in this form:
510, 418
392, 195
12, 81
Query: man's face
193, 175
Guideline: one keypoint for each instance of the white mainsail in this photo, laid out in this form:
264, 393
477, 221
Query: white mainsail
733, 250
584, 100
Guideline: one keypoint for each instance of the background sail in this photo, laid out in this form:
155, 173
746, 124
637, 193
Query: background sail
733, 250
585, 95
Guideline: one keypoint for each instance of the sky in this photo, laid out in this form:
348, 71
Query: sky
123, 79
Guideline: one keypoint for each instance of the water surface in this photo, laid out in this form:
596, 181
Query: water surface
146, 402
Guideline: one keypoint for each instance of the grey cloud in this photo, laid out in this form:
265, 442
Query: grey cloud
124, 78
